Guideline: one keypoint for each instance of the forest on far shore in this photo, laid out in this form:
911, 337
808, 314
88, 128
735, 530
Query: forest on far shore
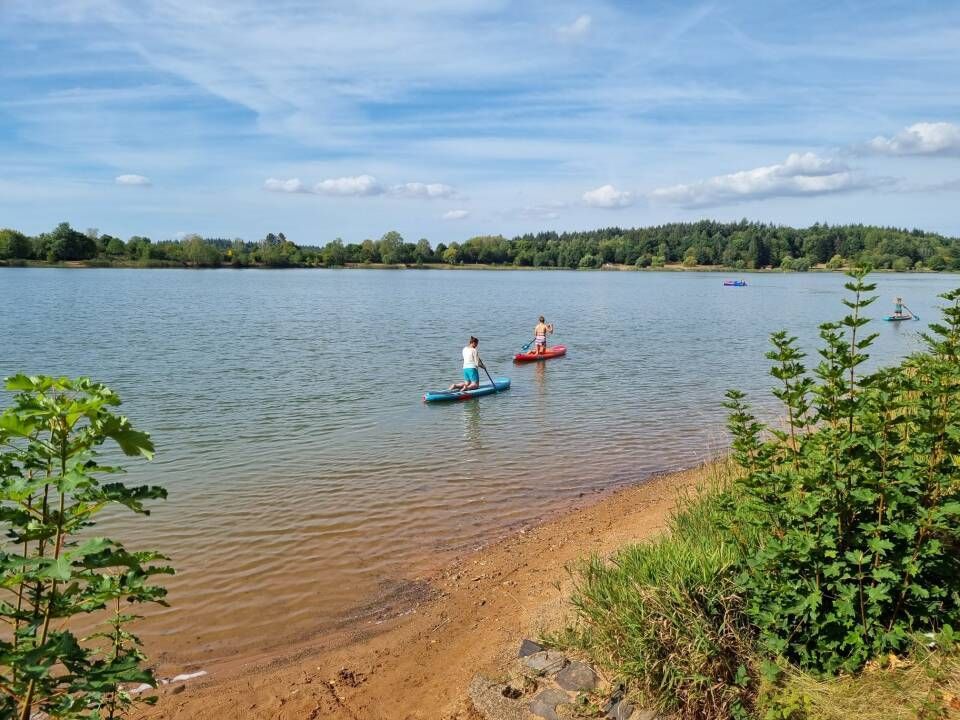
741, 245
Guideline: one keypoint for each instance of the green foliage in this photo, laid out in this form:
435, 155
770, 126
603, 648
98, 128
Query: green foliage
391, 247
53, 567
65, 243
666, 617
856, 498
334, 254
740, 244
589, 262
199, 253
14, 245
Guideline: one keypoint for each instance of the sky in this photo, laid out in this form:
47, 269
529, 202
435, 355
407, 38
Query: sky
446, 119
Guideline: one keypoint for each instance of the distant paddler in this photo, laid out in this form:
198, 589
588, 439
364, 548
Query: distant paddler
901, 311
540, 333
898, 308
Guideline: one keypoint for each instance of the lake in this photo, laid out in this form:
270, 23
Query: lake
308, 482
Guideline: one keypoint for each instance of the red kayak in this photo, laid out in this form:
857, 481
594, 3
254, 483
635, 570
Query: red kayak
551, 352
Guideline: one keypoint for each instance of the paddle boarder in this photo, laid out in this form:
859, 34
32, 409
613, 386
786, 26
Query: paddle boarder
898, 308
540, 333
471, 365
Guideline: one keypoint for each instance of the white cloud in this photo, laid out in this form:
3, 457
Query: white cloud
141, 180
607, 196
422, 190
362, 185
456, 214
801, 174
939, 138
579, 28
293, 185
545, 211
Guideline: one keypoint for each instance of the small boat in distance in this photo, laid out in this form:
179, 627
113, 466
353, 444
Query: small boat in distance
499, 385
555, 351
735, 283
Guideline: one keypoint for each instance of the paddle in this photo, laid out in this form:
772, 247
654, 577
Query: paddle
524, 348
495, 388
915, 316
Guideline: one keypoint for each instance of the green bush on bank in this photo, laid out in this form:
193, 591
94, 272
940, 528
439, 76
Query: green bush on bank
838, 542
857, 499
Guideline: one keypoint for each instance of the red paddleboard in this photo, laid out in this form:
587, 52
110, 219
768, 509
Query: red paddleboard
551, 352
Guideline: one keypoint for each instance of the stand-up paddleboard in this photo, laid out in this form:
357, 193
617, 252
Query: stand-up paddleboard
551, 352
894, 318
735, 283
499, 385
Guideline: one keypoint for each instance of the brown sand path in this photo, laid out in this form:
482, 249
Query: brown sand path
417, 666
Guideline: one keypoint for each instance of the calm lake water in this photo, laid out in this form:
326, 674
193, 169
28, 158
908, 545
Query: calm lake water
307, 479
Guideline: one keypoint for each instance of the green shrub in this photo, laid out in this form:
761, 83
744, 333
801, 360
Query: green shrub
54, 569
666, 617
856, 498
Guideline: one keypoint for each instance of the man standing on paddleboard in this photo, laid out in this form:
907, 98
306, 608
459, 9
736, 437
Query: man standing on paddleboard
540, 333
471, 365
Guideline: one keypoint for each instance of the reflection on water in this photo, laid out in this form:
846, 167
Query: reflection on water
471, 424
305, 474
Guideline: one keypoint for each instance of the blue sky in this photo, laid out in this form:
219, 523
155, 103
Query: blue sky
449, 118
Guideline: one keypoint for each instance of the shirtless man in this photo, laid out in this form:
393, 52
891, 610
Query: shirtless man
540, 333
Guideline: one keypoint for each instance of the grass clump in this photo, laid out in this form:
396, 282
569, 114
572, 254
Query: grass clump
835, 542
667, 616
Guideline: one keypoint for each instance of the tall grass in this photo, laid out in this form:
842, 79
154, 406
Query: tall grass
666, 617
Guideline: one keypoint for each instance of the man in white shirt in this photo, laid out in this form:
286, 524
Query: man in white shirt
471, 365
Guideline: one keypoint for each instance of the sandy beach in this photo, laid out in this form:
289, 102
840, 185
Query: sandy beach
468, 617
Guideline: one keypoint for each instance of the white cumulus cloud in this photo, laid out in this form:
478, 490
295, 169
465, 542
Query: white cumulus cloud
579, 28
362, 185
422, 190
607, 196
293, 185
801, 174
938, 138
141, 180
456, 214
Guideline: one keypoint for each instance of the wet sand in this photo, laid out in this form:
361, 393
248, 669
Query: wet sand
416, 661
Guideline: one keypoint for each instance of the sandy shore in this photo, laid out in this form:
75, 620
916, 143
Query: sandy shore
468, 617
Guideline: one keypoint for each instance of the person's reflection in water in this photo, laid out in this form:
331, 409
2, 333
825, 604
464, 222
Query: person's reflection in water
471, 424
540, 376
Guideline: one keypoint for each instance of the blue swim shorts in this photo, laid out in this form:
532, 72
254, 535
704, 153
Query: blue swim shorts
471, 375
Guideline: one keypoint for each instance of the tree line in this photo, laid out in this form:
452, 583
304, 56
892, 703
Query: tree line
742, 245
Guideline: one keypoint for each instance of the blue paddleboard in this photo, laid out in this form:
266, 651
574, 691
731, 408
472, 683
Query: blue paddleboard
500, 384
